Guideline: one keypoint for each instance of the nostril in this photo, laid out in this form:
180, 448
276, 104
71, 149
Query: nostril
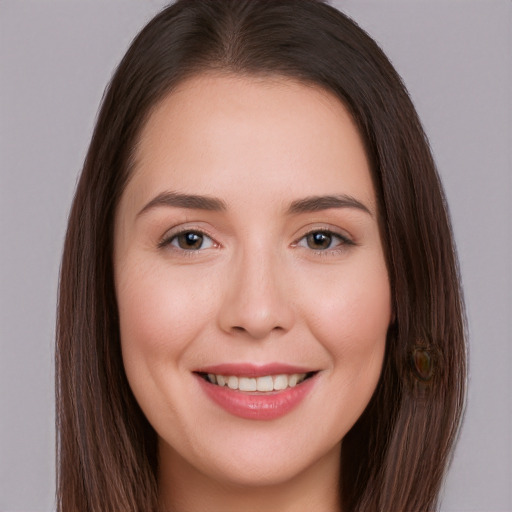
256, 331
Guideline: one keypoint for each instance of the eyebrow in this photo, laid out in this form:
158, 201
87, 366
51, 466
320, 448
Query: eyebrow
319, 203
191, 201
200, 202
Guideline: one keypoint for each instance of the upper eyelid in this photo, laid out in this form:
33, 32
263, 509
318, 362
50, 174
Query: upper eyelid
343, 234
186, 227
324, 230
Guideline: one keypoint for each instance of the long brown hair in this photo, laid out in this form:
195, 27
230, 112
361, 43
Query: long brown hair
395, 457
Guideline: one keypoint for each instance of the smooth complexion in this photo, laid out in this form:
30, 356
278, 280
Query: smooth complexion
225, 255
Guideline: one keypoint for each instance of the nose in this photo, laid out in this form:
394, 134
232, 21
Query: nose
257, 300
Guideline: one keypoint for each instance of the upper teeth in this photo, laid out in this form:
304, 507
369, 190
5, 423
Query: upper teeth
265, 383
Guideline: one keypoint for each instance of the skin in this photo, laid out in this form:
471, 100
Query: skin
255, 289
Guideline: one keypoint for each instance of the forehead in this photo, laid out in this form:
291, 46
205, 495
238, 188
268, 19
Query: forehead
216, 132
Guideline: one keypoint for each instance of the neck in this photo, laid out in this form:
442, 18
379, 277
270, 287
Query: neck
183, 488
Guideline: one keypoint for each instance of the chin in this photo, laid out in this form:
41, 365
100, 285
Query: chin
261, 462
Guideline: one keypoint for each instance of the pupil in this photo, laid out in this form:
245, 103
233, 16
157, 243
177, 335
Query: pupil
319, 240
190, 241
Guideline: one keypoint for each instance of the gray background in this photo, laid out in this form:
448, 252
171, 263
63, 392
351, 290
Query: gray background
55, 59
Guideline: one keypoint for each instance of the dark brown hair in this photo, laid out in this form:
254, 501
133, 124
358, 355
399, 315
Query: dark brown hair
395, 456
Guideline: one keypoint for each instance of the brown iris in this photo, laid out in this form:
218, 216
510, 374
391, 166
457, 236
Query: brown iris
319, 240
190, 240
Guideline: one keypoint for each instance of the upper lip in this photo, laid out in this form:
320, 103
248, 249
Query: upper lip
253, 370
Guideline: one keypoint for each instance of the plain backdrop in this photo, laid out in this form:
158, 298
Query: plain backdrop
455, 56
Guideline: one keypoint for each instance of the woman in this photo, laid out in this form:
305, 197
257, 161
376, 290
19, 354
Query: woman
259, 303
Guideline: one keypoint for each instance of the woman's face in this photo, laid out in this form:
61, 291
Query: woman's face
253, 293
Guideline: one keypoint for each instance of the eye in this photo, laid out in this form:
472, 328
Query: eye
189, 241
323, 240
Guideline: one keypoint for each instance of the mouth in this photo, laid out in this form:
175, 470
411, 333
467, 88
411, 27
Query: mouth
253, 392
262, 384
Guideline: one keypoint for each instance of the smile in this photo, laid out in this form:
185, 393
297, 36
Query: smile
256, 393
265, 383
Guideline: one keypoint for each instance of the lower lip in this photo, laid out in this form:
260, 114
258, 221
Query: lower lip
257, 406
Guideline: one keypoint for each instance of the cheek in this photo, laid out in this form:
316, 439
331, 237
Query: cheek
351, 322
159, 314
352, 316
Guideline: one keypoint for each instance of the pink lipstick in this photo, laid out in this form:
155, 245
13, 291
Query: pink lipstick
255, 392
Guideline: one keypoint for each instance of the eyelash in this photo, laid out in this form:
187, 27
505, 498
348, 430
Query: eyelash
168, 240
343, 245
344, 241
